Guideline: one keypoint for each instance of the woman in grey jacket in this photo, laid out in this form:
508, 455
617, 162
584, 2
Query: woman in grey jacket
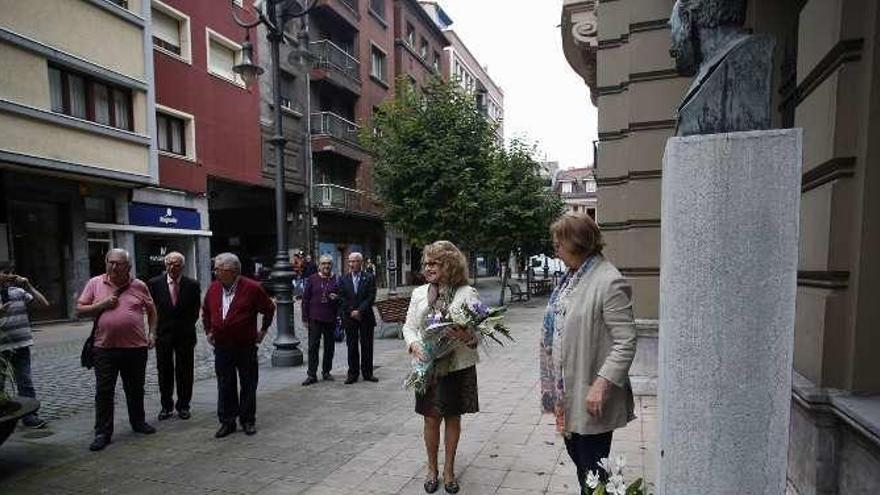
588, 344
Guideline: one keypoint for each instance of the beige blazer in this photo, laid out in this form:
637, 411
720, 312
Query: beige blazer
463, 357
599, 340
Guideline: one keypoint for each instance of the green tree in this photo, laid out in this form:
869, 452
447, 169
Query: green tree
433, 154
441, 174
520, 206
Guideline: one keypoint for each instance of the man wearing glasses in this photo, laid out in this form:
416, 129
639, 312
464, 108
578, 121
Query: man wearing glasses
118, 303
178, 300
229, 315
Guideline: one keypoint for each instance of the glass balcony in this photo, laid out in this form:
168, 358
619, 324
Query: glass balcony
330, 124
328, 55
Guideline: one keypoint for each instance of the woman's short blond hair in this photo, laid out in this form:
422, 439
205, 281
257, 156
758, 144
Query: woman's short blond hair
453, 264
579, 231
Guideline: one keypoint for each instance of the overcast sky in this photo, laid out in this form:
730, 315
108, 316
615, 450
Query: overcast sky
545, 100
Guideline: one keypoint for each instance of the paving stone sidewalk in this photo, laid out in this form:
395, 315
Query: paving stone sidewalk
329, 438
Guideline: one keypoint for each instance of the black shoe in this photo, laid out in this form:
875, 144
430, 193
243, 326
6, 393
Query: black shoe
165, 414
184, 414
328, 377
225, 430
431, 485
249, 429
451, 487
143, 428
371, 379
99, 442
350, 380
33, 421
310, 381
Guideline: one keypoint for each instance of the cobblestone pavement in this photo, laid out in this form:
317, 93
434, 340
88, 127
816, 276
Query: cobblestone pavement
330, 438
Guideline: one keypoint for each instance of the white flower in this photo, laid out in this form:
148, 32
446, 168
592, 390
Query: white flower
592, 480
620, 462
615, 485
605, 465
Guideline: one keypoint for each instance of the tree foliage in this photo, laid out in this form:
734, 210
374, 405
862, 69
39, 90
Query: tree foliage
441, 174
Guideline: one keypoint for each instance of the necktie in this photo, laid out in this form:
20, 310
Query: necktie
354, 280
174, 292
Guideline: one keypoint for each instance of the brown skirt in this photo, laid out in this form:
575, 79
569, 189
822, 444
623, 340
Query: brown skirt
451, 395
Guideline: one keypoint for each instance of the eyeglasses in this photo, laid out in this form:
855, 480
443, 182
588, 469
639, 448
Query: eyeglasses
220, 269
116, 263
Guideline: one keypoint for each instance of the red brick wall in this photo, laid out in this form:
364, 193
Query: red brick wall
226, 116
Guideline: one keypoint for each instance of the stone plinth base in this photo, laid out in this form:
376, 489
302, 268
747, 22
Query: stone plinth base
728, 274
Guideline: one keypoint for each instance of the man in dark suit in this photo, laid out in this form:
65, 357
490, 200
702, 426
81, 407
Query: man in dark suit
358, 297
178, 300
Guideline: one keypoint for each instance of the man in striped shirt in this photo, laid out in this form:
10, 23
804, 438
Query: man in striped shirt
16, 293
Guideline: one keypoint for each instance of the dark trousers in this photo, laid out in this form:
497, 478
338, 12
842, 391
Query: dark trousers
20, 361
131, 364
358, 334
174, 363
318, 329
234, 366
585, 451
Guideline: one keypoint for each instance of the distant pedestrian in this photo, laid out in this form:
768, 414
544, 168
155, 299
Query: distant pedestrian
16, 339
358, 297
118, 303
178, 301
454, 392
310, 267
229, 315
588, 345
320, 309
370, 267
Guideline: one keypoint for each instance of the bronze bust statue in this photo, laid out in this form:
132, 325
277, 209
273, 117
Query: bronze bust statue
732, 68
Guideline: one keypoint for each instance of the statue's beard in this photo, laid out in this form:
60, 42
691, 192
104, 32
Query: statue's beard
687, 56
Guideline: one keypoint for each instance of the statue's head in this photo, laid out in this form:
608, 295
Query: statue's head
688, 17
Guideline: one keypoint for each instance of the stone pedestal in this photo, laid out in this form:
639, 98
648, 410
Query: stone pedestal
728, 275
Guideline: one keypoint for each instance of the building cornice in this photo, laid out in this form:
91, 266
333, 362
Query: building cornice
580, 41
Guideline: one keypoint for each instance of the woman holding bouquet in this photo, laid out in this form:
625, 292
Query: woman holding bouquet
588, 344
452, 389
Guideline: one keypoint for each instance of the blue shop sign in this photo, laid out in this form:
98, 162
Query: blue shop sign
163, 216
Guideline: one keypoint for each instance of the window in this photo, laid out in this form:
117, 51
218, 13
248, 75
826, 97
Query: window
590, 185
423, 49
435, 63
100, 210
87, 98
170, 31
410, 35
223, 54
288, 88
377, 66
121, 3
566, 188
378, 7
175, 132
171, 134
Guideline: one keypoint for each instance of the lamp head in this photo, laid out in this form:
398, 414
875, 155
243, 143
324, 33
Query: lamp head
247, 69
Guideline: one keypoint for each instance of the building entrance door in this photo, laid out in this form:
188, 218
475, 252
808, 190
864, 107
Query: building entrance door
150, 251
37, 240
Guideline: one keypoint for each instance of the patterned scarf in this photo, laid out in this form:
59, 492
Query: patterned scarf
552, 379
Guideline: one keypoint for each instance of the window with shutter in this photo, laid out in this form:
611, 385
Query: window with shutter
166, 31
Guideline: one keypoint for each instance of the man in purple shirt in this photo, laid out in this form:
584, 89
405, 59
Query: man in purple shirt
320, 309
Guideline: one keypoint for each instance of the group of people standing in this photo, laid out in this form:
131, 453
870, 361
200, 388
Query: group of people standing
172, 302
329, 300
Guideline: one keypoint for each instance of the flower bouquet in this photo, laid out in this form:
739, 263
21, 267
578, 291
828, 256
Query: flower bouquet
438, 341
615, 485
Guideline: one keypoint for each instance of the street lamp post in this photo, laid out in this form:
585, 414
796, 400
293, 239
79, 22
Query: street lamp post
274, 14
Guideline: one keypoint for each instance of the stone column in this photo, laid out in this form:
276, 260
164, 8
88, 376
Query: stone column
728, 278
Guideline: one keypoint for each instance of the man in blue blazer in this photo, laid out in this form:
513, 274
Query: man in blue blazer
358, 297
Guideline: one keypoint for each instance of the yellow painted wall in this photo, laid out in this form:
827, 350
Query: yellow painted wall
47, 140
79, 28
23, 78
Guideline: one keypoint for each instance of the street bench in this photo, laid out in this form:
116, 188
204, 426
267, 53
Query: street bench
392, 315
516, 292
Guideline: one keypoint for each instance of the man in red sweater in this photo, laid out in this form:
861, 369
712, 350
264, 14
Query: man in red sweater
229, 315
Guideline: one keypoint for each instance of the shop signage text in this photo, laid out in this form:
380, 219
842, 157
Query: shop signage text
163, 216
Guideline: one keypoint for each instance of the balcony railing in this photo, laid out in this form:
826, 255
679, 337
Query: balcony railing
330, 124
332, 196
329, 55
